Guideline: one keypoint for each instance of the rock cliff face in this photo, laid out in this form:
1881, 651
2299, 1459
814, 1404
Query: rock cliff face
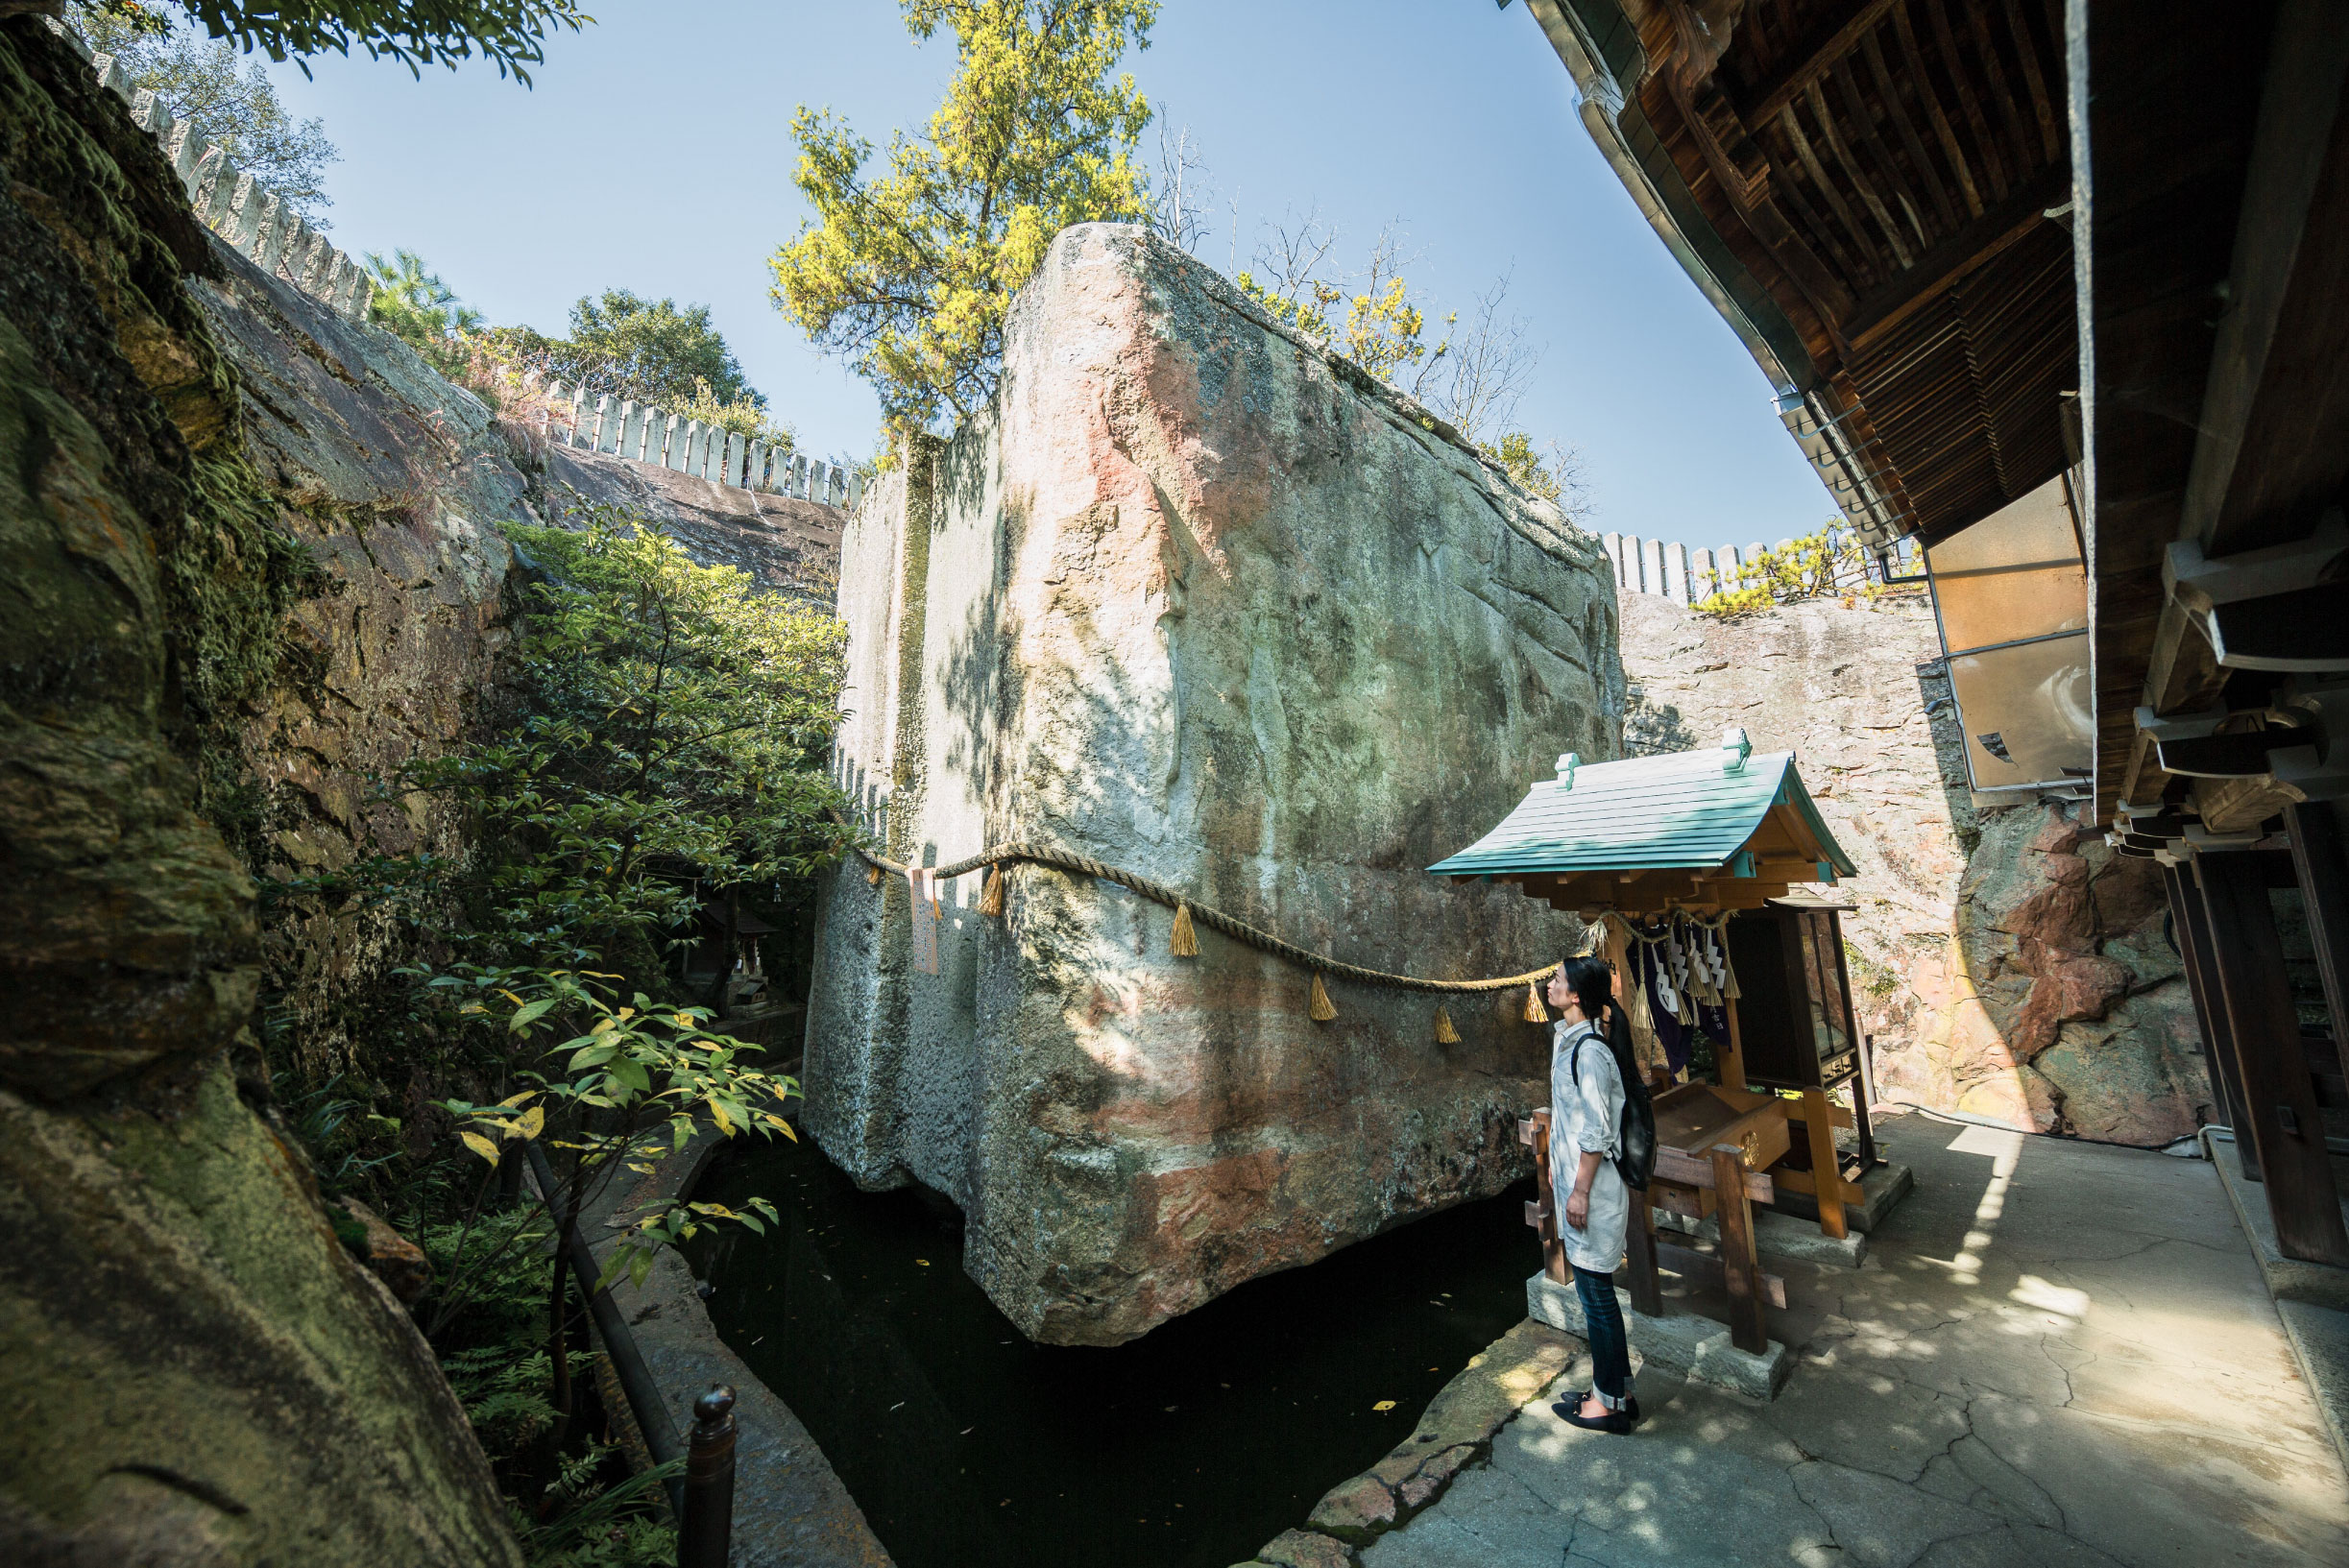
395, 484
250, 555
198, 1372
1193, 599
2007, 962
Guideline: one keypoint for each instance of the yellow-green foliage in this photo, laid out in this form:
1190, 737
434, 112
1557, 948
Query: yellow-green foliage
1803, 568
1383, 331
907, 276
1526, 466
1307, 310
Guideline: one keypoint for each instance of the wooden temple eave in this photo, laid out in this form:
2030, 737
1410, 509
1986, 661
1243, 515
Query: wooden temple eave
1885, 170
2221, 430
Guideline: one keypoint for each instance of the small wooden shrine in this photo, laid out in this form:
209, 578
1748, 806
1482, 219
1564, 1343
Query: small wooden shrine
1704, 871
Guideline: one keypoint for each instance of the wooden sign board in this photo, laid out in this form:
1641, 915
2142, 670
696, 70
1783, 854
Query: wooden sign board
922, 885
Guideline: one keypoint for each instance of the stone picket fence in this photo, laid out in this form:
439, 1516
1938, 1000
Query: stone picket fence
642, 433
257, 222
1686, 576
262, 227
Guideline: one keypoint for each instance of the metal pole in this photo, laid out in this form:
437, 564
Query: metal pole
707, 1524
635, 1379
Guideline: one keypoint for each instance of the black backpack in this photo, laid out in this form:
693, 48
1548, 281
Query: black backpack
1635, 1158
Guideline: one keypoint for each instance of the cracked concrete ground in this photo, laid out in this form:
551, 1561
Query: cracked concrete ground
2056, 1354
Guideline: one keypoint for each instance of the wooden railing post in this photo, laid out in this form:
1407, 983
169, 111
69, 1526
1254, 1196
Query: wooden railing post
704, 1532
1738, 1265
1640, 1259
2190, 922
2280, 1096
1542, 1213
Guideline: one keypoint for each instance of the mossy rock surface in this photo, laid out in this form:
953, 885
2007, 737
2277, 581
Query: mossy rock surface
198, 1371
199, 1365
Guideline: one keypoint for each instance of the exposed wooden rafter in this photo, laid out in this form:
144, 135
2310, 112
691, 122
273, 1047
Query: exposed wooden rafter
1963, 252
1810, 59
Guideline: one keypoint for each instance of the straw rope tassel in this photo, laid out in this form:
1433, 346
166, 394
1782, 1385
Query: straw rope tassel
1534, 1012
872, 877
1445, 1034
1318, 1009
1184, 943
991, 896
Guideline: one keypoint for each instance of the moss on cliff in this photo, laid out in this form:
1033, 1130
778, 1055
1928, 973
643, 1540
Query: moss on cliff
197, 1370
107, 317
195, 1359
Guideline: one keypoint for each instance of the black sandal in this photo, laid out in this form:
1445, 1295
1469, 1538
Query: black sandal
1574, 1402
1613, 1422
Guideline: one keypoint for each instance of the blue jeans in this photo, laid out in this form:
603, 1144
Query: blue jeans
1611, 1353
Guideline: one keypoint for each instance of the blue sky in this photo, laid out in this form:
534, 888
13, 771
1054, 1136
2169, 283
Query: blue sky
655, 154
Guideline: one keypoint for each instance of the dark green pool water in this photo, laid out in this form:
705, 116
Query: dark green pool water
968, 1447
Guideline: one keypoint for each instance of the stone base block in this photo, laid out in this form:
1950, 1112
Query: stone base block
1881, 1191
1696, 1346
1780, 1235
2320, 1341
2288, 1279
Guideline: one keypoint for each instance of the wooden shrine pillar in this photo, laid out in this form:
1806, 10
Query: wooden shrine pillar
2323, 871
1826, 1164
2191, 923
2280, 1098
1639, 1260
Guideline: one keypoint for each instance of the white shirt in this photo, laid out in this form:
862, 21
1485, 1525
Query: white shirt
1586, 1115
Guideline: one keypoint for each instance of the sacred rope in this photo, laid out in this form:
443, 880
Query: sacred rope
1185, 944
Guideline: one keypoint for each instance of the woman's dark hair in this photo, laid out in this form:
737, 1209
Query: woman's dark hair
1591, 979
1593, 984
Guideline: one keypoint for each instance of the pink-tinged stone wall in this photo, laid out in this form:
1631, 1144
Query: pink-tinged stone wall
1193, 598
2008, 964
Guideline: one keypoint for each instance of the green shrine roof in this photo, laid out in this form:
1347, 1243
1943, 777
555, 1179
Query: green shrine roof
1691, 808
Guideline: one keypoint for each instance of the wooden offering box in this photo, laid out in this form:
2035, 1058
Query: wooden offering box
1694, 1119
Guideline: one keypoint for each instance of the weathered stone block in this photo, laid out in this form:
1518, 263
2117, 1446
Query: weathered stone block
1697, 1347
1358, 1511
1307, 1549
1192, 598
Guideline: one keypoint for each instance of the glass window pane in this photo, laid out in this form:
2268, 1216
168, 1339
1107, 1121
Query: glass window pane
2017, 574
1825, 985
2025, 712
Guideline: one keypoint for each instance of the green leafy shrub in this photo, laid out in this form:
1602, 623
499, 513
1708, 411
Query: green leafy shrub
571, 1499
664, 746
660, 744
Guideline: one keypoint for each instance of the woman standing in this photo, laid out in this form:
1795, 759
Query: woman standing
1587, 1096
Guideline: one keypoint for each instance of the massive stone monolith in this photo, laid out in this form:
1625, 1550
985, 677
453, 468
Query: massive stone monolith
1195, 598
